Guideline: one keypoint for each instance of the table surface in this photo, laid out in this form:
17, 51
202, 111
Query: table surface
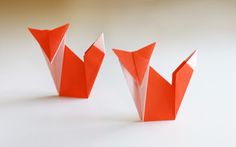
32, 115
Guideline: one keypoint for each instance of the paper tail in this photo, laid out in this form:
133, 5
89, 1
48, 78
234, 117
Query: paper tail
181, 78
164, 99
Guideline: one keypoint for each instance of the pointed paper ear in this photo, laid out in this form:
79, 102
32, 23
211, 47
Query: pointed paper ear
146, 52
56, 37
126, 59
42, 36
99, 43
141, 59
50, 40
136, 62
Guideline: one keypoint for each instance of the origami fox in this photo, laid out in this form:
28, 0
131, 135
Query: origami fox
155, 98
72, 76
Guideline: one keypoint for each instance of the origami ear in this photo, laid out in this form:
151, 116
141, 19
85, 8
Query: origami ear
136, 62
127, 61
50, 40
141, 59
42, 36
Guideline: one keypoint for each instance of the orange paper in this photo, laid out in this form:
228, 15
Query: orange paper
72, 76
155, 98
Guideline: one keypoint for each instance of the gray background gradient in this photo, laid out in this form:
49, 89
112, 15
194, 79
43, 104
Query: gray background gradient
31, 114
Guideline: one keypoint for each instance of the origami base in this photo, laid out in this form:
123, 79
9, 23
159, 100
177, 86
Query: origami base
155, 98
72, 76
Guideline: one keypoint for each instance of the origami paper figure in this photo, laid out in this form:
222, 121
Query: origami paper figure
155, 98
72, 76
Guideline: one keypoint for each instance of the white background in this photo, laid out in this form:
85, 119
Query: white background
31, 114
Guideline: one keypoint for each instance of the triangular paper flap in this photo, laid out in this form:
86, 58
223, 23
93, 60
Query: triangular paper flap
141, 60
55, 38
126, 58
50, 40
42, 36
146, 52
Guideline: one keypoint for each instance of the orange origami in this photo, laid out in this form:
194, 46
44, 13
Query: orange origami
72, 76
155, 98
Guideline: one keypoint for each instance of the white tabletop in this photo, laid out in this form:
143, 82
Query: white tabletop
31, 114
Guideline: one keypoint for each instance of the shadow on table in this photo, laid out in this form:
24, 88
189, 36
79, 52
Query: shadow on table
33, 100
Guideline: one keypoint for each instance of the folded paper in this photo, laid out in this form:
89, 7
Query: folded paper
72, 76
155, 98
